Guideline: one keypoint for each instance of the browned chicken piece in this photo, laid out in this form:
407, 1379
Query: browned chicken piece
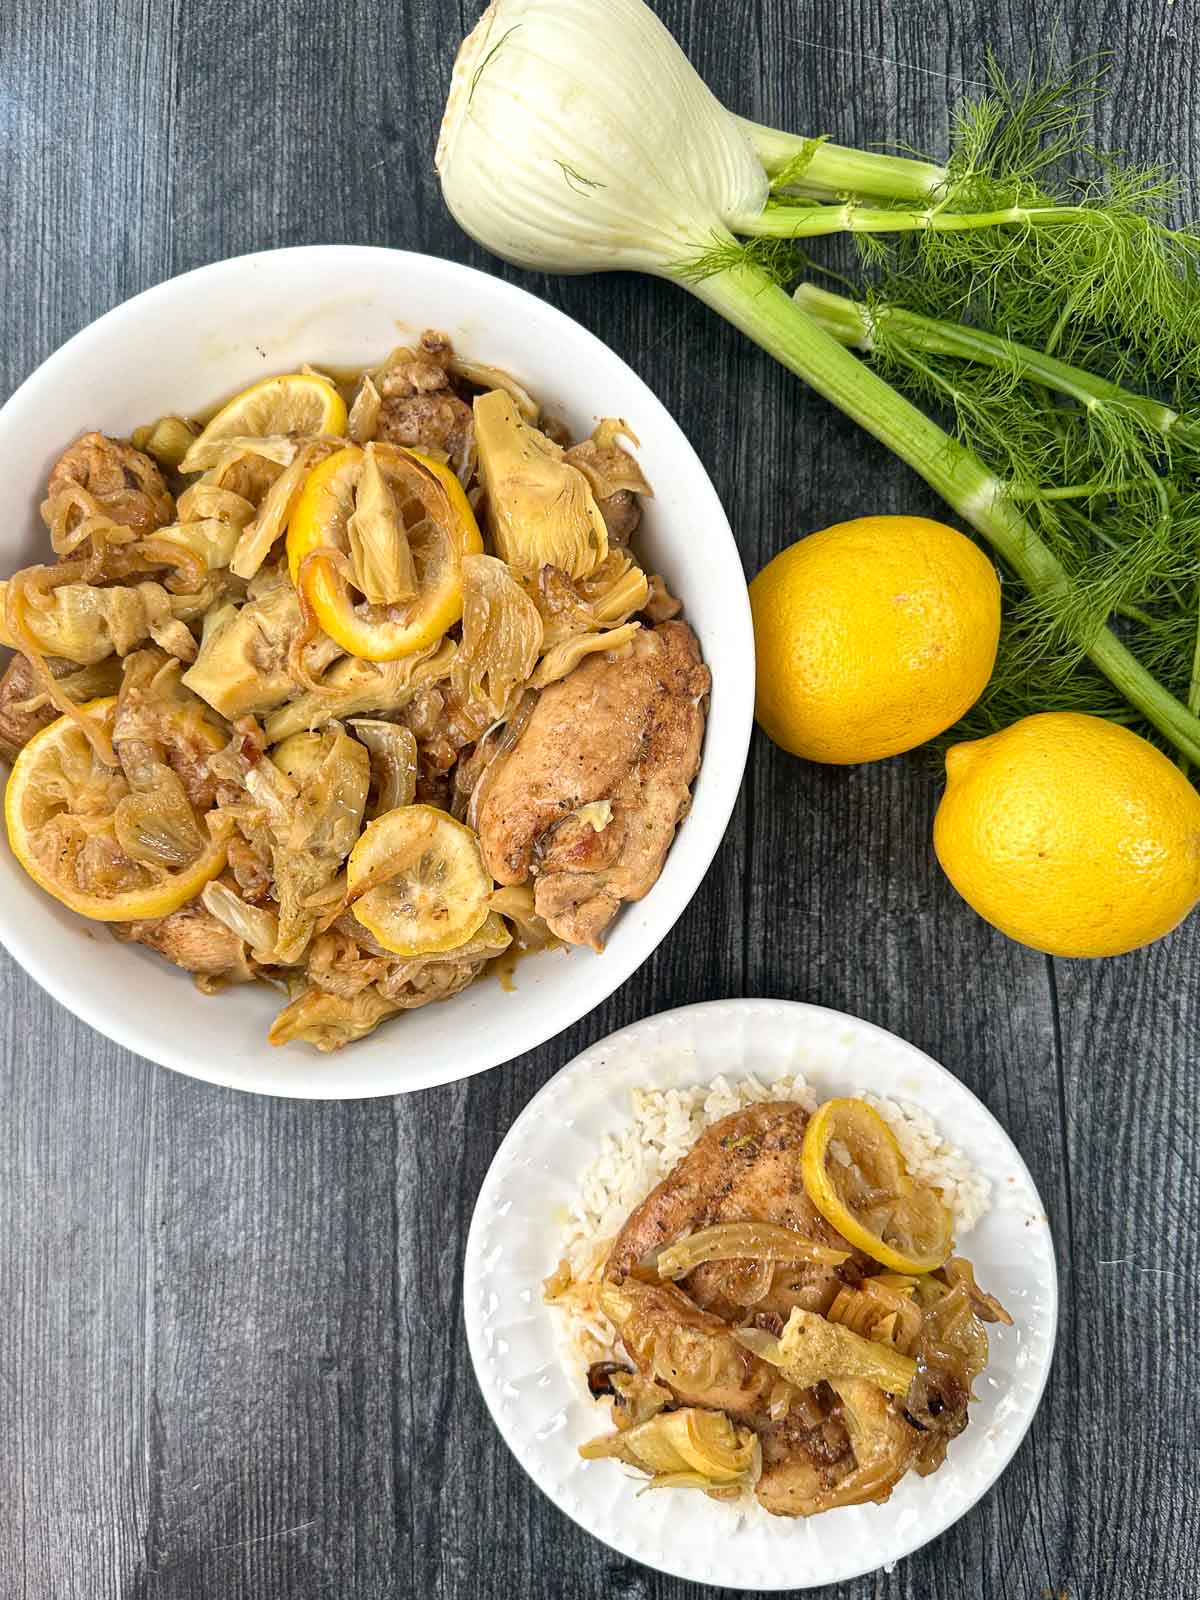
689, 1350
192, 938
616, 481
805, 1458
622, 513
126, 482
627, 731
250, 865
745, 1168
424, 421
884, 1445
856, 1455
420, 409
345, 960
17, 724
431, 980
337, 963
148, 726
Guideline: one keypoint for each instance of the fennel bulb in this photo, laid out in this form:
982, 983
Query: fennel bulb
553, 104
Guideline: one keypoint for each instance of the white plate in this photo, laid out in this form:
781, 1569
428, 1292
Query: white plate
193, 341
513, 1245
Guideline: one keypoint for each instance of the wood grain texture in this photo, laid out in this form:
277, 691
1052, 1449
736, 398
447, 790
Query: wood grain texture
231, 1355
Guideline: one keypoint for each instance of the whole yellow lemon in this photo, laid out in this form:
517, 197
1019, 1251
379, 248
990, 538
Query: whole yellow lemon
1070, 834
872, 636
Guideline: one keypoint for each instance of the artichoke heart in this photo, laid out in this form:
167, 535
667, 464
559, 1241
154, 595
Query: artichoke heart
810, 1350
242, 666
541, 510
209, 539
328, 1021
353, 686
85, 624
167, 440
363, 422
299, 756
703, 1445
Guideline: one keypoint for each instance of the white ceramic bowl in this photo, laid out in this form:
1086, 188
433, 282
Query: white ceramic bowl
193, 341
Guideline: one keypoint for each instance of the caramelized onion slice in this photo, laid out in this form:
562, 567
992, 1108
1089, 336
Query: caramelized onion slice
562, 660
749, 1241
393, 752
881, 1309
690, 1440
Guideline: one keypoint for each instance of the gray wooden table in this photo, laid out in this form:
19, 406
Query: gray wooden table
231, 1352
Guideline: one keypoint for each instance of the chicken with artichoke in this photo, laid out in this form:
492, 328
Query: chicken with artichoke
789, 1318
351, 688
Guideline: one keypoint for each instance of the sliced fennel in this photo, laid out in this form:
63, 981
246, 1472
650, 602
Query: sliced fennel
578, 138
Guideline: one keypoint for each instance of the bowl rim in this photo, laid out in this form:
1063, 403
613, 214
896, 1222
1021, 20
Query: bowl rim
121, 1026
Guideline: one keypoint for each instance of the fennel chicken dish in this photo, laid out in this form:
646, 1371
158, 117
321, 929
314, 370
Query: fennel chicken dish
353, 688
782, 1320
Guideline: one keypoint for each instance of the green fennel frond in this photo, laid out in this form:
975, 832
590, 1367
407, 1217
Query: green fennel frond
1005, 142
1116, 281
1108, 492
1115, 293
1027, 680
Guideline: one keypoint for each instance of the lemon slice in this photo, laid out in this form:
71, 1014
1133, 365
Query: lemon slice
296, 403
60, 806
441, 530
429, 889
871, 1199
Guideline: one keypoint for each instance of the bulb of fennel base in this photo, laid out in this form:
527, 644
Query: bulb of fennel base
578, 137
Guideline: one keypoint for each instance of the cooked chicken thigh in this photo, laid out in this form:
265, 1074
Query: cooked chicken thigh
805, 1458
825, 1451
122, 482
192, 938
25, 709
624, 733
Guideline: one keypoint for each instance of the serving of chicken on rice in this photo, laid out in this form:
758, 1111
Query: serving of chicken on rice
355, 688
782, 1318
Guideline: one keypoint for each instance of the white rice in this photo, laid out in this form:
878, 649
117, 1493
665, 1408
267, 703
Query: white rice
664, 1126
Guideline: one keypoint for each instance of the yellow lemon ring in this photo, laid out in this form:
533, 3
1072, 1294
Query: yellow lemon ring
870, 1199
55, 772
